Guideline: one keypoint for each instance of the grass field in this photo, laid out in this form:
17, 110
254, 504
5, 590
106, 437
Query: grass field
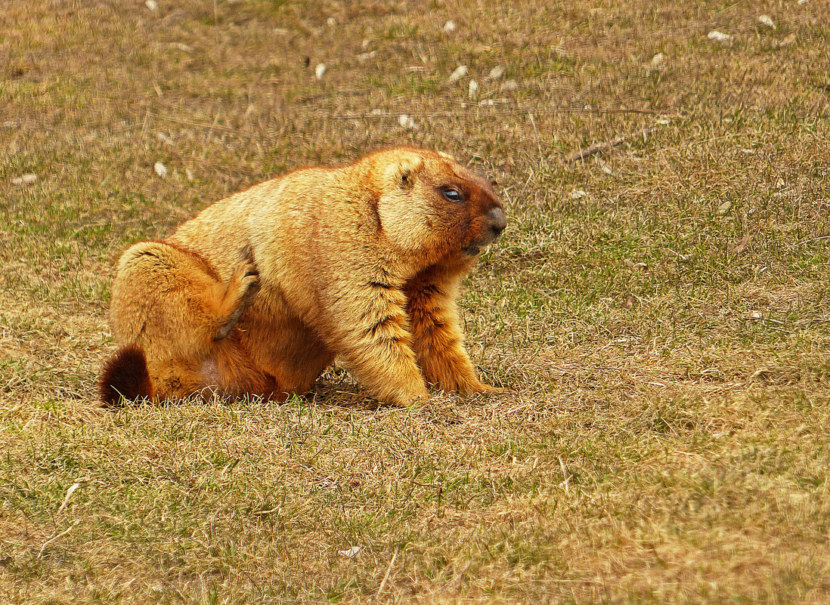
659, 311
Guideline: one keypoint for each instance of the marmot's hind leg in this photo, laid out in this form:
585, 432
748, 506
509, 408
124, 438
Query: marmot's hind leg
239, 293
171, 304
169, 299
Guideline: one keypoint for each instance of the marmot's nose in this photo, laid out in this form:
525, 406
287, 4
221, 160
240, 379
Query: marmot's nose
497, 220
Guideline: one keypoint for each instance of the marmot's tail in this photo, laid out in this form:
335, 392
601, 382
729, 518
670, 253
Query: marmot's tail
125, 375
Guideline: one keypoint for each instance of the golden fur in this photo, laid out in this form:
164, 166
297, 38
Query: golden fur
260, 291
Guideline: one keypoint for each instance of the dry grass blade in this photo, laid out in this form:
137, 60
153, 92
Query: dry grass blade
811, 240
56, 537
604, 146
69, 493
386, 575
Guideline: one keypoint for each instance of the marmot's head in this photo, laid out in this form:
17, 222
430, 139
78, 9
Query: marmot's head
432, 206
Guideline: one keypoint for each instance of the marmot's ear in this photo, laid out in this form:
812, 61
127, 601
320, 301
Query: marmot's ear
405, 170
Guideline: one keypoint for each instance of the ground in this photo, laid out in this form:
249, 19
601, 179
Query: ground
658, 311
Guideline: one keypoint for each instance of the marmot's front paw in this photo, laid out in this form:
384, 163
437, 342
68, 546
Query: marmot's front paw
482, 387
491, 390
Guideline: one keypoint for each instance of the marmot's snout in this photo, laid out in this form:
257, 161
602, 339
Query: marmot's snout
497, 221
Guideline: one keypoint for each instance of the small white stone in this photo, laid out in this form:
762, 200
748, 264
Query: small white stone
606, 169
189, 174
449, 27
510, 85
459, 73
160, 169
351, 553
331, 21
164, 138
787, 41
719, 36
496, 73
473, 89
365, 44
363, 57
801, 2
407, 122
658, 60
766, 20
152, 5
320, 71
25, 179
578, 194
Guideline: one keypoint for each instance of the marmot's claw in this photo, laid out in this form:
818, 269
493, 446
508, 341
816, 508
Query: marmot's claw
486, 389
250, 284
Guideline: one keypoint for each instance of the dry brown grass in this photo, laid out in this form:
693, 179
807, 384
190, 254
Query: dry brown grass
665, 437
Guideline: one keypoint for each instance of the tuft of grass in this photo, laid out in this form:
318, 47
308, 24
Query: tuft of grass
658, 311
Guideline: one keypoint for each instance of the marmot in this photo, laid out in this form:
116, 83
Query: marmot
260, 291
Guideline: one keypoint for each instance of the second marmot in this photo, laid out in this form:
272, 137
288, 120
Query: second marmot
259, 292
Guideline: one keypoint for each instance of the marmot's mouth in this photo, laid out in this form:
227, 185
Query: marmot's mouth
474, 248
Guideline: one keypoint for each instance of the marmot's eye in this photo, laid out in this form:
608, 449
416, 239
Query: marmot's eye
452, 195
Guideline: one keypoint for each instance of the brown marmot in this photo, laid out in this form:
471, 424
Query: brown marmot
259, 292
